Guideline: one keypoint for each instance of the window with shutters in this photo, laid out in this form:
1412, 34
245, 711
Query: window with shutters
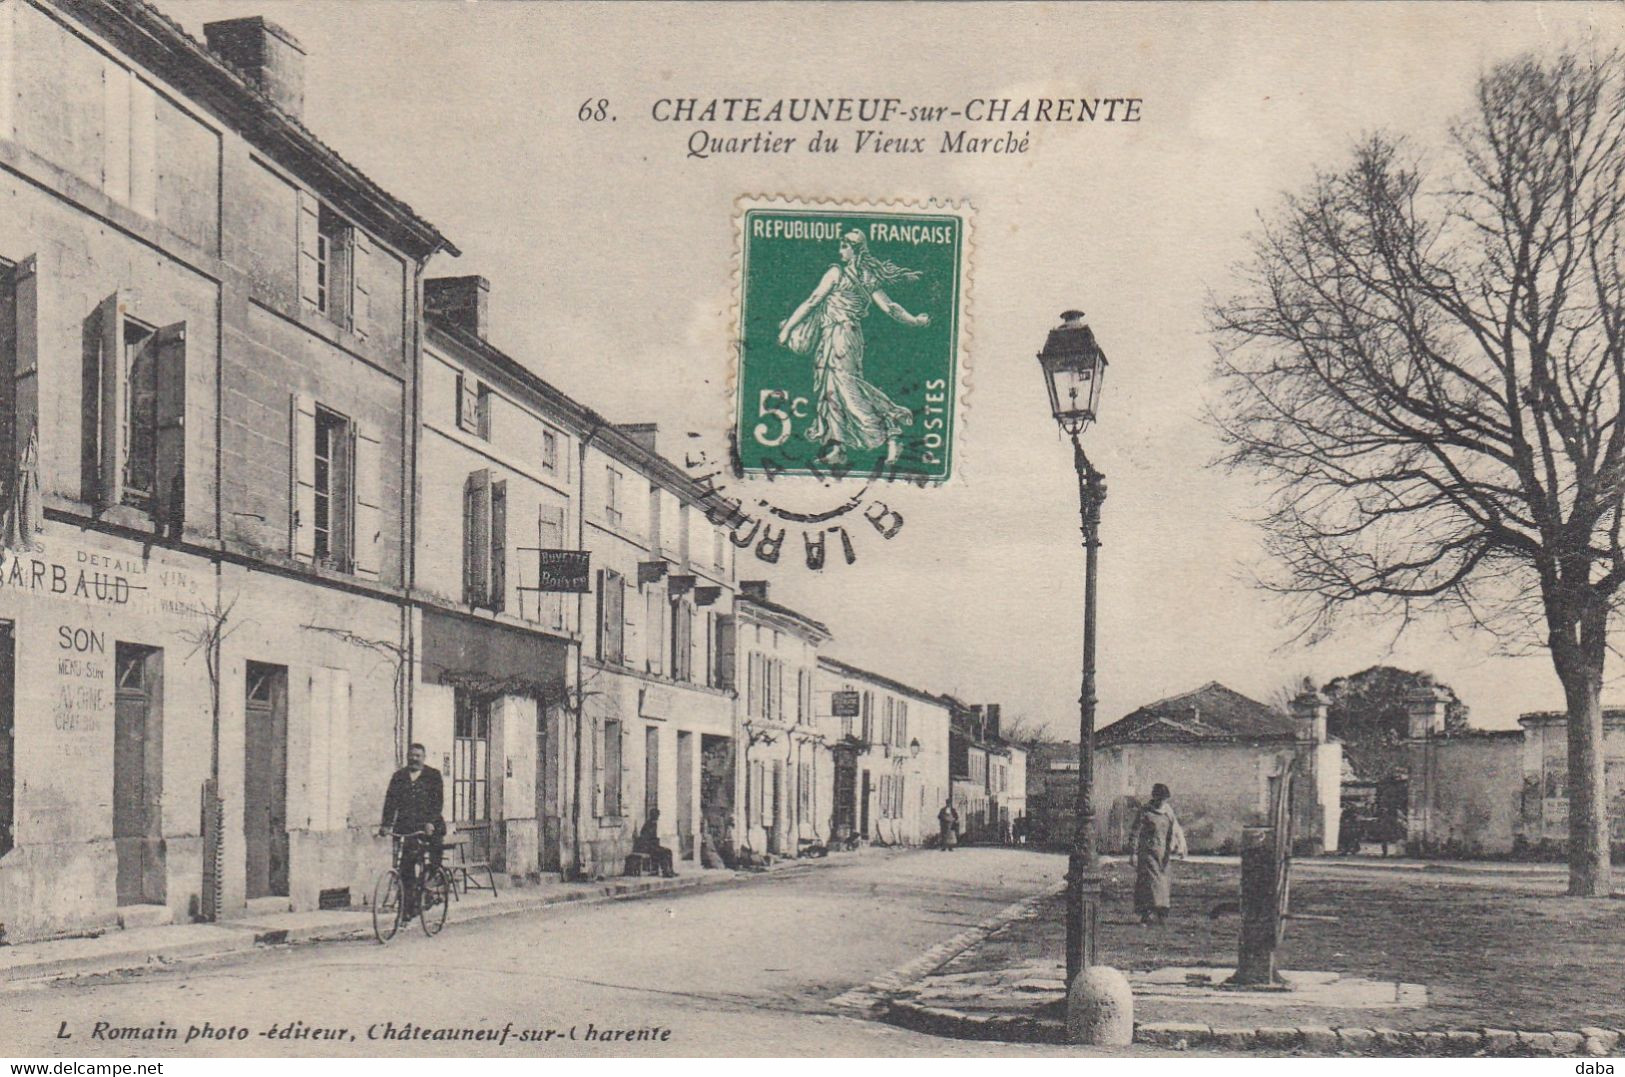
333, 266
868, 717
613, 480
719, 547
337, 511
611, 616
133, 406
473, 406
655, 535
654, 631
333, 481
485, 541
550, 452
726, 635
886, 720
550, 536
682, 641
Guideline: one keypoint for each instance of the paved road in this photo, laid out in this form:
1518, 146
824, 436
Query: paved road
749, 969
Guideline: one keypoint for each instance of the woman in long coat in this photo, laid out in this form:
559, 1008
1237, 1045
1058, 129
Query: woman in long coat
1157, 839
948, 825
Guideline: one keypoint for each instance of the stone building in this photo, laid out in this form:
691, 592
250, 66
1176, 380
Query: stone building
989, 773
780, 742
206, 324
658, 659
496, 654
1217, 750
1544, 763
888, 755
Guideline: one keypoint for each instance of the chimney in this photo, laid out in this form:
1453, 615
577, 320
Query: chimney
978, 721
464, 302
264, 53
992, 713
645, 434
1309, 714
1425, 707
756, 589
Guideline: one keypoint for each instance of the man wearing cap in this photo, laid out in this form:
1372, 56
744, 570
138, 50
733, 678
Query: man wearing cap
1157, 839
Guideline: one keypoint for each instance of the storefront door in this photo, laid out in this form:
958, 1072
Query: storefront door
265, 781
138, 775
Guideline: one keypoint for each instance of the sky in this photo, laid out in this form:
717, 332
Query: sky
611, 258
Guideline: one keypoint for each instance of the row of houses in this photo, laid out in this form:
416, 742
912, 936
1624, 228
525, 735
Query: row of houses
277, 507
1465, 792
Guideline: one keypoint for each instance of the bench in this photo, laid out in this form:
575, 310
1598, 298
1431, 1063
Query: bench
460, 867
639, 864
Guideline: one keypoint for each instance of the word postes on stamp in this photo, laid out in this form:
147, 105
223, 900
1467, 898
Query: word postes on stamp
851, 342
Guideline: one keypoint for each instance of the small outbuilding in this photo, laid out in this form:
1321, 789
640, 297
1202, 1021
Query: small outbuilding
1217, 750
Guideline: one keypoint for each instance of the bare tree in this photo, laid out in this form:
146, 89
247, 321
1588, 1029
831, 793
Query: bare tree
1432, 373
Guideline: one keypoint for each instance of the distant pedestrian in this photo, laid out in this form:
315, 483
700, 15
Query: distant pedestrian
1157, 839
1348, 831
948, 825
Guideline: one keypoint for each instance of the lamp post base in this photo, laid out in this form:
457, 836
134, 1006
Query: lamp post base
1100, 1008
1083, 897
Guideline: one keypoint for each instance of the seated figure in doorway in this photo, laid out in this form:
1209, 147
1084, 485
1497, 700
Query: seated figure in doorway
648, 843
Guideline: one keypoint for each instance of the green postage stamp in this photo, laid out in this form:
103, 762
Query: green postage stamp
851, 349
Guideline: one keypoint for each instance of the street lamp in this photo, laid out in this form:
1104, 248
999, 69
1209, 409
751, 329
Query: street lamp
1099, 1006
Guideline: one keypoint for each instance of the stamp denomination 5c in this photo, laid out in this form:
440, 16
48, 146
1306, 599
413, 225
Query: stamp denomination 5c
851, 342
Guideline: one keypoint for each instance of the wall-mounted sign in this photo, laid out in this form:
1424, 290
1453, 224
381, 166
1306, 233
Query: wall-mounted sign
844, 704
654, 703
564, 570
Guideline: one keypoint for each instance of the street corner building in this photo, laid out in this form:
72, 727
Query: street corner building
206, 328
1217, 750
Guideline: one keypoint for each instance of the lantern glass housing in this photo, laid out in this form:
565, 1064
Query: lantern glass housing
1074, 367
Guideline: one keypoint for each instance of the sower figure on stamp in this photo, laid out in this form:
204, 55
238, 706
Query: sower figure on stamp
648, 843
1157, 839
948, 824
850, 412
414, 803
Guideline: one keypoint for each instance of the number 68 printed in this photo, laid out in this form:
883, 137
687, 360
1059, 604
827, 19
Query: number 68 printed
771, 405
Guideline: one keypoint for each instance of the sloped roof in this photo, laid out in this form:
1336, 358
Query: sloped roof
1210, 713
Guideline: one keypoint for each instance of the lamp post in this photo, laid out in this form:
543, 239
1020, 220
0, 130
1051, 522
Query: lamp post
1099, 1005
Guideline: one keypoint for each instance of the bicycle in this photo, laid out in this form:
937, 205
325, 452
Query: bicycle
433, 892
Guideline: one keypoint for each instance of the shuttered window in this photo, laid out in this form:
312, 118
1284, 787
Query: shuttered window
485, 541
611, 616
612, 769
133, 448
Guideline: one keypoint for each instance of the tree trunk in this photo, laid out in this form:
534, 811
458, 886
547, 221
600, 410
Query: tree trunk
1579, 657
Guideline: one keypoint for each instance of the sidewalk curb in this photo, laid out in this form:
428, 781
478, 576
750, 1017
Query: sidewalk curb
873, 996
244, 937
1308, 1040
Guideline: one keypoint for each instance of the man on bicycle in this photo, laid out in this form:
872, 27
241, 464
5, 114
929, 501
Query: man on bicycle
414, 804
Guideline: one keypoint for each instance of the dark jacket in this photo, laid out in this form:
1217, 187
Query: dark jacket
414, 805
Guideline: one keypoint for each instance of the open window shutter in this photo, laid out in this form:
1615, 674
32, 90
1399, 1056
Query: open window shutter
725, 652
25, 336
499, 546
360, 295
600, 590
169, 480
310, 223
338, 749
302, 475
110, 325
476, 537
598, 765
369, 539
617, 618
316, 784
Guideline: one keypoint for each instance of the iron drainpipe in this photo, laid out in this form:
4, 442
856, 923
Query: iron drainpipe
581, 635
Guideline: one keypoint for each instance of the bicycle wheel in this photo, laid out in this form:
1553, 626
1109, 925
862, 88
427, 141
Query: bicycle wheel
386, 905
434, 898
